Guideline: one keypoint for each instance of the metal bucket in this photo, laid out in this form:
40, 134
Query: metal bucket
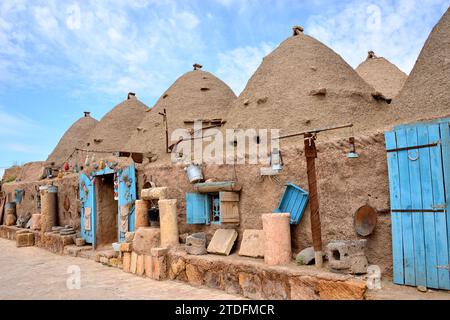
153, 215
194, 173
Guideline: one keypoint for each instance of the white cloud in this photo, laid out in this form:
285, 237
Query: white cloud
12, 125
45, 19
238, 65
104, 46
395, 30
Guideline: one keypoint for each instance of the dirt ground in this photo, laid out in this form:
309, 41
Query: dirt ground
33, 273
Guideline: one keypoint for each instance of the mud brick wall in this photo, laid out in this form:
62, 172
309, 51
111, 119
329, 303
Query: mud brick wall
344, 186
68, 211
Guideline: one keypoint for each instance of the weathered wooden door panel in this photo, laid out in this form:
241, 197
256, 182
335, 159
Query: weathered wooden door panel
229, 207
439, 203
126, 201
429, 225
445, 141
418, 175
87, 200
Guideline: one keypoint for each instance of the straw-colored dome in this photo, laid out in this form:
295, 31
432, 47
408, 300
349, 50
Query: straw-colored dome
74, 137
426, 93
197, 95
115, 129
302, 85
384, 76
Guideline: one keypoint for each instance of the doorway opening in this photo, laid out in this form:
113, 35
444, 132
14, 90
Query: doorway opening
107, 211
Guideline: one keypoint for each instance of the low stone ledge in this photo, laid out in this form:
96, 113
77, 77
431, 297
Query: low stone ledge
8, 232
255, 280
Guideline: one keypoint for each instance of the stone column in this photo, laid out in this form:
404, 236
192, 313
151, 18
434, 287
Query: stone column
277, 238
168, 222
49, 208
36, 221
141, 219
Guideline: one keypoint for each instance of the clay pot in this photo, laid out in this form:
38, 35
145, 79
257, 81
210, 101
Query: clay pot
10, 220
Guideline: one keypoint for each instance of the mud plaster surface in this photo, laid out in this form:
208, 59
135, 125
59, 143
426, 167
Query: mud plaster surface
344, 186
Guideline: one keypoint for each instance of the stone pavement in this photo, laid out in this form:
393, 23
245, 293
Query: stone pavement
33, 273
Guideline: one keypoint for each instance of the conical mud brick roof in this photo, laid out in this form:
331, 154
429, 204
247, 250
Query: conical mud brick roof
73, 138
197, 95
384, 76
426, 93
303, 84
115, 129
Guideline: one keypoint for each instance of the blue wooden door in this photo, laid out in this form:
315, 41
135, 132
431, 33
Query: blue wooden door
126, 201
87, 199
197, 208
419, 180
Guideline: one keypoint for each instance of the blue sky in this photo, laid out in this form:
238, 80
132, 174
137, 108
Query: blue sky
60, 58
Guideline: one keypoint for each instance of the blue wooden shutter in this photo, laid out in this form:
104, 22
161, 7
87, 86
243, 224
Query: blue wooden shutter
197, 208
294, 201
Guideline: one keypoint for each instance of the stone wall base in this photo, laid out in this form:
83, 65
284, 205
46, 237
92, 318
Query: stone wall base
253, 279
50, 241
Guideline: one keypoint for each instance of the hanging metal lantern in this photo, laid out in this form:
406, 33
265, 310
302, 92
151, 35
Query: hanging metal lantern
352, 153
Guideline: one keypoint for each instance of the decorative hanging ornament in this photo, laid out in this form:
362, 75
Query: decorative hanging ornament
102, 164
87, 162
66, 166
352, 153
60, 174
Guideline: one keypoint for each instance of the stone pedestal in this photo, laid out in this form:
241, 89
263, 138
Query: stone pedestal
156, 264
141, 218
347, 256
25, 239
49, 208
196, 244
168, 222
36, 221
277, 238
145, 239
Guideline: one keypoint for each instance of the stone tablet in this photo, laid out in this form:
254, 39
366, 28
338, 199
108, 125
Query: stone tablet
252, 244
222, 241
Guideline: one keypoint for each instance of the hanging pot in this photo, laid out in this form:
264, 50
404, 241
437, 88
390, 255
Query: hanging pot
194, 173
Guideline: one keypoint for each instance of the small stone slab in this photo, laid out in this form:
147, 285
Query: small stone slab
222, 242
79, 242
252, 244
306, 256
24, 240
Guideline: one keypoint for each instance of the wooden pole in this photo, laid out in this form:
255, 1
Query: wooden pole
316, 231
